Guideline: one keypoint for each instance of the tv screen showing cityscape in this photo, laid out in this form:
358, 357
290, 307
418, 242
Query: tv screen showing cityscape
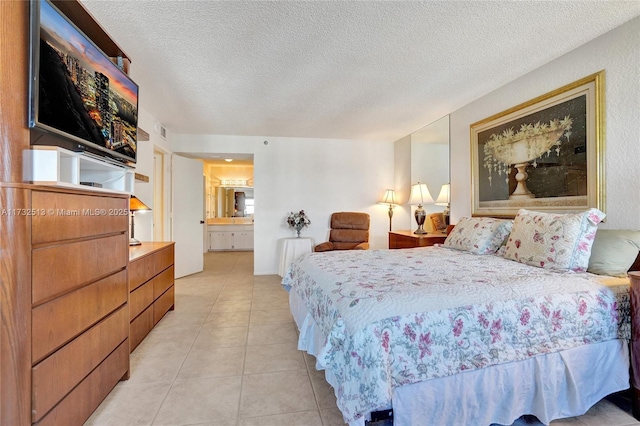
80, 92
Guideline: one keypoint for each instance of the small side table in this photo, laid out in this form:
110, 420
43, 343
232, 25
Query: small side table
407, 239
291, 249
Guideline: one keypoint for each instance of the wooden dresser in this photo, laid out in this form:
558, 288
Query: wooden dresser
151, 287
64, 320
79, 310
407, 239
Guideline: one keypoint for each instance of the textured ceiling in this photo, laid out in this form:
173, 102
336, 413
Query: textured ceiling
337, 69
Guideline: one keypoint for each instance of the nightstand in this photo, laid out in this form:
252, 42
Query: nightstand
407, 239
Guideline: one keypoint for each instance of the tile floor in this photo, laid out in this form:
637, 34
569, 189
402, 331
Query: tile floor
227, 356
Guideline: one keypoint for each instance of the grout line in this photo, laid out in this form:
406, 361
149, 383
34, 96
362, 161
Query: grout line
185, 357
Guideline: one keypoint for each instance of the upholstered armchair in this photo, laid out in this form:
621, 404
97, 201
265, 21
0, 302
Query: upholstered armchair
349, 231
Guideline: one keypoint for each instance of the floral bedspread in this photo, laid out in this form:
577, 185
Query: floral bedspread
395, 317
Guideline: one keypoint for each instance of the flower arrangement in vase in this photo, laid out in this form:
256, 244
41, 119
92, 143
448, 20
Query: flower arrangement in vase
298, 221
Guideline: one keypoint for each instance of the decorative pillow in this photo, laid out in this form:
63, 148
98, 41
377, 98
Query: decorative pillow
479, 235
613, 252
553, 241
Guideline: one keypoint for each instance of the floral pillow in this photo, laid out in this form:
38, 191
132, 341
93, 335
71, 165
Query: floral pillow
479, 235
553, 241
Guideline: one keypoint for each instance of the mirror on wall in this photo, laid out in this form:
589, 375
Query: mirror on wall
430, 159
233, 202
229, 191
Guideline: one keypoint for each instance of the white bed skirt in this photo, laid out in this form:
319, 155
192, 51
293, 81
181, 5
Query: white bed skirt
552, 386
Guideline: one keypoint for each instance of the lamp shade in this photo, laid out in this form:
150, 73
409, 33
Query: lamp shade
444, 196
135, 204
420, 194
389, 197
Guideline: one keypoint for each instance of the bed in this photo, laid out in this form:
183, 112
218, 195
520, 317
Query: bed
474, 331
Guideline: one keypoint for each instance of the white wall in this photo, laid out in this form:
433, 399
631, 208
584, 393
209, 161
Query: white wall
321, 176
144, 165
402, 218
618, 53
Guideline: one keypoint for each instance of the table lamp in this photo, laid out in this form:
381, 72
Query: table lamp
420, 195
443, 200
135, 205
389, 197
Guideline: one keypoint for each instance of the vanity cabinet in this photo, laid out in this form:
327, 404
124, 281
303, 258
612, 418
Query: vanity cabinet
230, 237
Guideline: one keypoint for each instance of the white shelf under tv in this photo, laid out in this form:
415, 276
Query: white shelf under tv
52, 165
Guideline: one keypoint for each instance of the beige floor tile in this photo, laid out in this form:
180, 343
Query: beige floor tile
132, 405
325, 395
200, 401
332, 417
212, 336
272, 297
266, 280
272, 333
228, 319
607, 413
152, 367
307, 418
276, 393
216, 362
231, 305
205, 283
231, 293
281, 316
573, 421
240, 279
262, 305
313, 373
269, 285
193, 306
268, 358
168, 340
261, 290
180, 324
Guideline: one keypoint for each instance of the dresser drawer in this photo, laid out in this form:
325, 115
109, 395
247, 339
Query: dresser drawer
162, 259
78, 405
140, 327
144, 268
59, 373
69, 216
60, 320
403, 242
162, 282
163, 304
407, 239
140, 299
62, 268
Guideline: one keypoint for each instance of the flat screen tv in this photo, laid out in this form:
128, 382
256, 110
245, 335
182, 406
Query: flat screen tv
79, 99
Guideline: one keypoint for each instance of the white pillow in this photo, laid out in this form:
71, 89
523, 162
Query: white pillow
479, 235
552, 240
614, 251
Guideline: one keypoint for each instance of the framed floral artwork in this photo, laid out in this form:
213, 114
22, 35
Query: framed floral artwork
546, 154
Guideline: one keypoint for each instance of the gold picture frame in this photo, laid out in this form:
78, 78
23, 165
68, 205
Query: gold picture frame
546, 154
